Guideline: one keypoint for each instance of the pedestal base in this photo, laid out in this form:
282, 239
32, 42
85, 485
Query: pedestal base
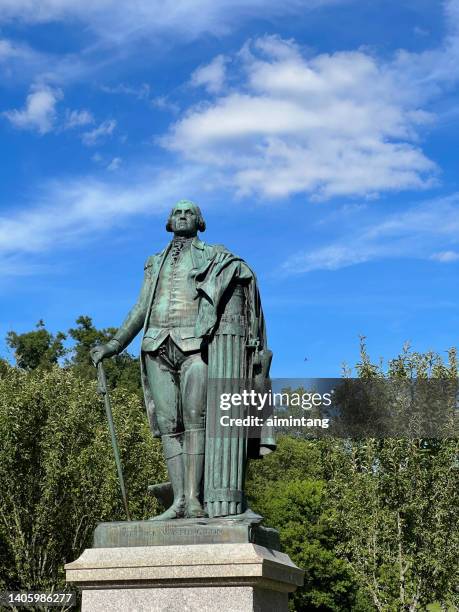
212, 599
244, 528
191, 578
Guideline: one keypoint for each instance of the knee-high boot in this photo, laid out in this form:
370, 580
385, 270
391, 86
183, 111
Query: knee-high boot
174, 458
193, 454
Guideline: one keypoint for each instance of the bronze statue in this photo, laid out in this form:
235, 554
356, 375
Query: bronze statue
200, 310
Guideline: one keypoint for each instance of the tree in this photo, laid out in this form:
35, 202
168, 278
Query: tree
289, 489
373, 522
57, 473
4, 366
86, 336
122, 370
38, 348
397, 522
396, 502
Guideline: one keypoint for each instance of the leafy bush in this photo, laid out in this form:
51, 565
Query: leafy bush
57, 472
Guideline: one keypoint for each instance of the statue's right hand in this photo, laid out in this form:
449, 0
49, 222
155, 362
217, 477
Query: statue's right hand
102, 351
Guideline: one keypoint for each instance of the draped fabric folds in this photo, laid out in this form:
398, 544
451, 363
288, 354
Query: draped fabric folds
233, 363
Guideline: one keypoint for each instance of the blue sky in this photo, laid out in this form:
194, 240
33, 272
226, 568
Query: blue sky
319, 137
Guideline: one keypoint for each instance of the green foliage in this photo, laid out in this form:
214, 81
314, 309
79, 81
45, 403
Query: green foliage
86, 336
397, 500
397, 517
122, 371
4, 366
57, 473
36, 349
41, 349
373, 522
289, 489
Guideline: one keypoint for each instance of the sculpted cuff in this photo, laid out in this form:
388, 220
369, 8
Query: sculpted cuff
115, 345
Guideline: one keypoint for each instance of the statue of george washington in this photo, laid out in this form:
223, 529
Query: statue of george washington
200, 310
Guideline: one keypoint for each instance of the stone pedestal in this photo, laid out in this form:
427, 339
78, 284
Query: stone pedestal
238, 577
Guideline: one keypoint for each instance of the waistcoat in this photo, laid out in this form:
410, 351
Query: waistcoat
175, 303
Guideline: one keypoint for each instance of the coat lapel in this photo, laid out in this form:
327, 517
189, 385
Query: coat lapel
198, 253
156, 269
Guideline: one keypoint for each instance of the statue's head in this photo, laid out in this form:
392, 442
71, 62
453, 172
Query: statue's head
185, 219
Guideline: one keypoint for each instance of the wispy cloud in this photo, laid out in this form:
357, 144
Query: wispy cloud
10, 50
65, 212
39, 113
112, 31
424, 231
163, 103
141, 92
77, 118
276, 121
102, 131
112, 20
445, 256
211, 76
21, 63
114, 164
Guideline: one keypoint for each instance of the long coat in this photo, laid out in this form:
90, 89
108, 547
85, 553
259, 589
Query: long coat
214, 269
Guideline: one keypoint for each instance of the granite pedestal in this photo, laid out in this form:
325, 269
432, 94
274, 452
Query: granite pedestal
125, 575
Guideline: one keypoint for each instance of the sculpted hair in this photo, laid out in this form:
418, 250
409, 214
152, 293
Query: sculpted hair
201, 222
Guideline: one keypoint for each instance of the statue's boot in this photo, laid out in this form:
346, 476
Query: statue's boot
174, 458
193, 450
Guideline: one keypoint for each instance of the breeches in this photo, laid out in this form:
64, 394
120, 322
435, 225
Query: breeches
178, 385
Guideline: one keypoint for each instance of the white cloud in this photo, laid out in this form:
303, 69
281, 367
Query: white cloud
20, 63
115, 20
211, 76
65, 212
445, 256
279, 122
10, 50
114, 164
39, 112
141, 92
94, 136
113, 31
163, 103
77, 118
417, 233
340, 124
329, 125
331, 257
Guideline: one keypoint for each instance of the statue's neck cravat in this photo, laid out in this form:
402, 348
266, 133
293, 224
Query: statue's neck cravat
178, 244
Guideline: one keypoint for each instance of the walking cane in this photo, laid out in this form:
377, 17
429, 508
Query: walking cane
103, 390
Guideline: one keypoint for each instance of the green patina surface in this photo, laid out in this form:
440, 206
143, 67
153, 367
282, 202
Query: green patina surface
201, 316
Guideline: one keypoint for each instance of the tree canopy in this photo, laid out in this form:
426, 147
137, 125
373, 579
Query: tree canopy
38, 348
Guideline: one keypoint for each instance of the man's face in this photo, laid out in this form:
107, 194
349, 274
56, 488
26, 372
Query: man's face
184, 220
